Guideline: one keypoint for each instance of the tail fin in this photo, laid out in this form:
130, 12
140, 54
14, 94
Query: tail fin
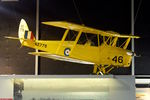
23, 32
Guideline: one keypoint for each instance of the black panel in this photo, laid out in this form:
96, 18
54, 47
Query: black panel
142, 47
142, 85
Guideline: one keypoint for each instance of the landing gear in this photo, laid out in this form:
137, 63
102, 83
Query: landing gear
102, 69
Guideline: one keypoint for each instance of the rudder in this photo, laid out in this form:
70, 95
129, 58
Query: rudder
23, 32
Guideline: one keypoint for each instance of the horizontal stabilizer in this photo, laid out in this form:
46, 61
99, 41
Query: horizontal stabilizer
15, 38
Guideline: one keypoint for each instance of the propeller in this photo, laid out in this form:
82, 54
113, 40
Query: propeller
133, 54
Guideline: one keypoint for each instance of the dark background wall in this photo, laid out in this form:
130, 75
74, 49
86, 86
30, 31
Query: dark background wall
142, 45
101, 14
13, 59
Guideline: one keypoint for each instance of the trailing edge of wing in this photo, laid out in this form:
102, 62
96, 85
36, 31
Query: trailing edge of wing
123, 36
85, 29
115, 34
58, 57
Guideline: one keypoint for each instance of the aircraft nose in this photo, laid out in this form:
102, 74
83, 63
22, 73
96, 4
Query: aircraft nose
131, 53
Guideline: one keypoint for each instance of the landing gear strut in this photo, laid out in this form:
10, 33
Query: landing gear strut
102, 69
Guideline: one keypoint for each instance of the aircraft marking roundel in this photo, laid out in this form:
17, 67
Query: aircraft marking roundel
67, 51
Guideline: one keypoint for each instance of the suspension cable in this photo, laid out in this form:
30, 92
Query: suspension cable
139, 6
78, 13
79, 16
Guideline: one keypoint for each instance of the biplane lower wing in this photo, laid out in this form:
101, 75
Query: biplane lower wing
59, 57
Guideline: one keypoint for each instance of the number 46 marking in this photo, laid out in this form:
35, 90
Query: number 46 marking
118, 59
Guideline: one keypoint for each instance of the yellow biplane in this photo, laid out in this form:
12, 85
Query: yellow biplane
105, 55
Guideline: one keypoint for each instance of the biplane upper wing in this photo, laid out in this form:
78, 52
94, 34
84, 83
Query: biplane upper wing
85, 29
59, 57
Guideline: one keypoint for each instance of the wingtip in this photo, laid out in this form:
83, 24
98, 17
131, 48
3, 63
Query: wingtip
137, 37
45, 23
42, 22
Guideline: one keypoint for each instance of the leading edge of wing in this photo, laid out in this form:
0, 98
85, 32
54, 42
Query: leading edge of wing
61, 58
85, 29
